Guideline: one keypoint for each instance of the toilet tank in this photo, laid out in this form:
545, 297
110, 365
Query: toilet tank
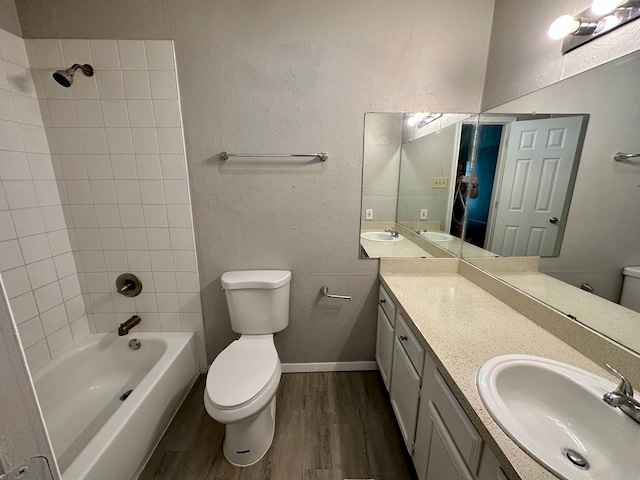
258, 300
630, 297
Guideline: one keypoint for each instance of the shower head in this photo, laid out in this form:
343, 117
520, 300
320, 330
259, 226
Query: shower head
65, 77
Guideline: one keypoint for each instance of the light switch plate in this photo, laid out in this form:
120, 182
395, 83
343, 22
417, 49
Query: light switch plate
423, 214
368, 214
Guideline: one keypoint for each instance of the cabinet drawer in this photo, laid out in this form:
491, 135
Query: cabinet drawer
387, 305
410, 343
462, 432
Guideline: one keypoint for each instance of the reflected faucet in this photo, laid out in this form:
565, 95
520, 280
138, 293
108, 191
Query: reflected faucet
393, 233
124, 328
622, 396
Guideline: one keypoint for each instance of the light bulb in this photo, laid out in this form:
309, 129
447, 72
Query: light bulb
607, 23
602, 7
563, 26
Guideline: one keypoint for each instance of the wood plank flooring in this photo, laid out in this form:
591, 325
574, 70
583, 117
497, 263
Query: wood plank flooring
329, 426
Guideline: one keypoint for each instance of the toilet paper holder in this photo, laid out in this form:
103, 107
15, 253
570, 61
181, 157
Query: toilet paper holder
325, 292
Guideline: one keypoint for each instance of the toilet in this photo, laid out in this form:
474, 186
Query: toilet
630, 297
243, 380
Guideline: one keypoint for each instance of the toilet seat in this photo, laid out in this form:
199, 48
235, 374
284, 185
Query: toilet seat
243, 379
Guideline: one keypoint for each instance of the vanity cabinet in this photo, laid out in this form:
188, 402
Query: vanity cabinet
385, 335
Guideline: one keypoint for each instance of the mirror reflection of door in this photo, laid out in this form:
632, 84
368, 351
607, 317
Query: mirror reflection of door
525, 171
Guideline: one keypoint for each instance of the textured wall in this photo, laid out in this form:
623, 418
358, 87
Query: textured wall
291, 76
523, 58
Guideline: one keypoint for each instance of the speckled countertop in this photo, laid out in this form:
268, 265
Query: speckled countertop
462, 326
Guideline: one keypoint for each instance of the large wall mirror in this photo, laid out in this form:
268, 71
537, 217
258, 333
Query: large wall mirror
567, 247
416, 177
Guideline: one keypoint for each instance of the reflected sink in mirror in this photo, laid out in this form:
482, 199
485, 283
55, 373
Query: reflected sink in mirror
547, 407
380, 237
436, 236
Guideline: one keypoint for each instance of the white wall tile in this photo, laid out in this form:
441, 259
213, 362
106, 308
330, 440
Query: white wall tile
89, 113
146, 302
162, 261
14, 166
78, 192
37, 355
176, 192
28, 221
80, 328
93, 261
165, 282
20, 194
158, 239
47, 192
111, 239
137, 85
132, 54
16, 281
74, 166
173, 167
119, 141
181, 238
84, 88
135, 238
83, 216
104, 54
75, 308
60, 341
42, 273
10, 136
54, 319
70, 287
31, 332
97, 282
122, 304
105, 323
12, 49
76, 51
41, 166
7, 110
94, 140
115, 113
20, 79
48, 296
7, 230
68, 140
49, 54
24, 307
116, 261
184, 261
170, 322
88, 239
131, 215
28, 110
52, 89
141, 113
10, 255
187, 282
99, 167
127, 191
155, 216
59, 242
163, 85
152, 192
159, 54
110, 85
167, 302
179, 216
65, 265
103, 192
124, 167
148, 167
145, 140
53, 218
62, 113
170, 141
34, 138
139, 261
166, 113
150, 323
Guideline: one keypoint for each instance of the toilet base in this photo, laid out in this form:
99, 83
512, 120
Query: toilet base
245, 443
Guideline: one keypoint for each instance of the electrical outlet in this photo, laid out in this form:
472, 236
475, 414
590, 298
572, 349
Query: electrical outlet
368, 215
440, 182
423, 214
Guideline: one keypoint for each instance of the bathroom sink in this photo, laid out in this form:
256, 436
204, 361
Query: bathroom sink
547, 407
380, 237
436, 236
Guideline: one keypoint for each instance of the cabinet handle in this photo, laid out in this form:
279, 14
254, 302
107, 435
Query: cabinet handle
403, 338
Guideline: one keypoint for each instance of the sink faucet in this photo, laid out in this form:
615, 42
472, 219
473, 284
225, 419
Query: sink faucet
622, 396
124, 328
393, 233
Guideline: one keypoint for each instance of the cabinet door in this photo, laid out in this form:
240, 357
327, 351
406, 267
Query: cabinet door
384, 347
444, 459
405, 394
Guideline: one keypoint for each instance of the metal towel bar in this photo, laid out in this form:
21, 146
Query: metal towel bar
226, 155
325, 292
621, 156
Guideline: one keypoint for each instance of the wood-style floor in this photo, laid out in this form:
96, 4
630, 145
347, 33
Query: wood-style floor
329, 426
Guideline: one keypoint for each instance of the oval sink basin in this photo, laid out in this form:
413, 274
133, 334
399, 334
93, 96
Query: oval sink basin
380, 237
436, 236
547, 407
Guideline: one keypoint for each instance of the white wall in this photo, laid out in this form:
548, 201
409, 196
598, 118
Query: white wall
36, 262
523, 58
120, 164
291, 76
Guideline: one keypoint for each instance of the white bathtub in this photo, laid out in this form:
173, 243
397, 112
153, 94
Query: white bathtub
97, 436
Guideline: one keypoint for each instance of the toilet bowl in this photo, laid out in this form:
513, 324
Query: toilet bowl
243, 379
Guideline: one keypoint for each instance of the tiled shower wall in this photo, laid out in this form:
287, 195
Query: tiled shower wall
119, 159
36, 263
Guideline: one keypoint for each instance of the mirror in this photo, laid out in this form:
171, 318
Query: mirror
600, 228
410, 188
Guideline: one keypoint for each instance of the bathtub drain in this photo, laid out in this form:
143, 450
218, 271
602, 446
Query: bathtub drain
125, 395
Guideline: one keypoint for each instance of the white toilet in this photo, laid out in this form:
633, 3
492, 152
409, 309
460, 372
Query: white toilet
243, 380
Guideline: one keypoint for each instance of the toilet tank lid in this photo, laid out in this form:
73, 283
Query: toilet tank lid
631, 272
264, 279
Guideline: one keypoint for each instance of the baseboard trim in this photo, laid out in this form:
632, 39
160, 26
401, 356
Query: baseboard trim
329, 367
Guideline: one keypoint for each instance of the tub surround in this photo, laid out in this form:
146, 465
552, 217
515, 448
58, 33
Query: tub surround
448, 303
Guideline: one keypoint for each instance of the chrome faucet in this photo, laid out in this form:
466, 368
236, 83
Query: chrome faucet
393, 233
124, 328
622, 396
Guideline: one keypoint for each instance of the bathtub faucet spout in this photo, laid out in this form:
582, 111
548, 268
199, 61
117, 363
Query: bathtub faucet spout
124, 328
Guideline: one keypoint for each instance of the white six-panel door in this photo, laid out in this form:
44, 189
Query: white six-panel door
536, 174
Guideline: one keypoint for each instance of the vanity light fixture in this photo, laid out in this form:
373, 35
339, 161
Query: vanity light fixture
602, 17
419, 120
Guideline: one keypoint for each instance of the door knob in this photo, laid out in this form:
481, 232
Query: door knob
553, 220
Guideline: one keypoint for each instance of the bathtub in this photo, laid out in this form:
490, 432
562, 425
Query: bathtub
95, 434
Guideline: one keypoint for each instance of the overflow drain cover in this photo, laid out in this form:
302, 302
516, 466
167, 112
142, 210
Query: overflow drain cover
575, 458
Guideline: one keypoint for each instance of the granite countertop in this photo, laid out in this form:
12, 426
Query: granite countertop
462, 326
